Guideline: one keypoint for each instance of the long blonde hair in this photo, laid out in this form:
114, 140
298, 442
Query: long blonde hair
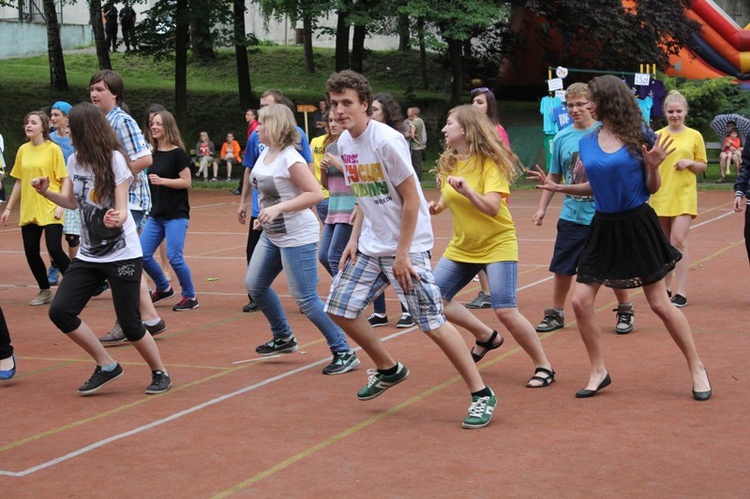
483, 143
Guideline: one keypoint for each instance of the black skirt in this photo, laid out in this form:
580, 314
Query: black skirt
626, 250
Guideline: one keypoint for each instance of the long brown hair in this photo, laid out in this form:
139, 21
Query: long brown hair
44, 118
482, 142
616, 105
95, 143
171, 132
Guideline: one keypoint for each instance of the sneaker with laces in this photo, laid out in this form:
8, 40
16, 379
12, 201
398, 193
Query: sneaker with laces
405, 321
481, 301
53, 275
678, 301
277, 345
160, 383
552, 320
158, 296
625, 320
377, 383
250, 307
186, 304
343, 362
157, 328
43, 297
480, 412
99, 379
116, 335
377, 320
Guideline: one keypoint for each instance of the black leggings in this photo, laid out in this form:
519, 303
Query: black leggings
253, 236
84, 278
32, 236
6, 349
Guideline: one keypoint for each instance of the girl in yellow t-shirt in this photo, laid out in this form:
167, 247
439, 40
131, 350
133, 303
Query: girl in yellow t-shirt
676, 201
39, 157
476, 169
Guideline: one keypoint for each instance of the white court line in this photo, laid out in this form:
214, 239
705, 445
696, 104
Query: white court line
228, 396
177, 415
714, 220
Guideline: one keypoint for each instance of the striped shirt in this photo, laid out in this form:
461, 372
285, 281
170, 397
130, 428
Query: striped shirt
131, 138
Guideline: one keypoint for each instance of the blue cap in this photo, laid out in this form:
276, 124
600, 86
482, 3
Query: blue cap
62, 106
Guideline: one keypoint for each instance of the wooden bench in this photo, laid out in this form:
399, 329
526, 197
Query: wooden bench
713, 146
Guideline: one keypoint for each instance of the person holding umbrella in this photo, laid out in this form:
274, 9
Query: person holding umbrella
723, 124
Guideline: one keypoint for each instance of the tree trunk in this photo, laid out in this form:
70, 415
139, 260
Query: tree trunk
403, 33
182, 26
342, 42
457, 69
308, 44
201, 39
102, 50
422, 53
358, 48
57, 75
240, 53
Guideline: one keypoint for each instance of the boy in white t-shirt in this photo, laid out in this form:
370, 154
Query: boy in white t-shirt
390, 244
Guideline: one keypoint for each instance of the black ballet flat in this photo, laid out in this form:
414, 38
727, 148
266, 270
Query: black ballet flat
586, 393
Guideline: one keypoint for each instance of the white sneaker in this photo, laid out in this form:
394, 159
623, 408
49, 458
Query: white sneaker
43, 297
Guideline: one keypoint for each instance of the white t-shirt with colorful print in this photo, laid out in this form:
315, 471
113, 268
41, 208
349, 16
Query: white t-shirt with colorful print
374, 164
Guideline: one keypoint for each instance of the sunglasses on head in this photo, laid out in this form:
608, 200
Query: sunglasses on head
480, 90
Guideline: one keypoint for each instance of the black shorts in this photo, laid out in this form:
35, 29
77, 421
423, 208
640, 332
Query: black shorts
571, 239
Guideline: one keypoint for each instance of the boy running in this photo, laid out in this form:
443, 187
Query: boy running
390, 244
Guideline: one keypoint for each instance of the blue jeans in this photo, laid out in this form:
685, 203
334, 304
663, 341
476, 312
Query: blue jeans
302, 275
332, 244
153, 234
452, 277
322, 209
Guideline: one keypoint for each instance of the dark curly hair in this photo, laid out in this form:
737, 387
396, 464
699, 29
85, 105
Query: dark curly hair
391, 110
616, 106
339, 82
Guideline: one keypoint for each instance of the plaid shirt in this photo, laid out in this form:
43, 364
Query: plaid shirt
132, 140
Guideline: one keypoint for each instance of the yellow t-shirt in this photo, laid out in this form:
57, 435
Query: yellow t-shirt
319, 152
479, 238
678, 193
45, 160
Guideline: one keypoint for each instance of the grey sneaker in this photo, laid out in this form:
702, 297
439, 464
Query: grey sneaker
377, 383
552, 320
481, 301
275, 346
157, 328
343, 362
625, 319
99, 379
160, 383
114, 336
43, 297
480, 412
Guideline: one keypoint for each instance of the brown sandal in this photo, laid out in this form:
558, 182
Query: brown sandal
486, 346
546, 380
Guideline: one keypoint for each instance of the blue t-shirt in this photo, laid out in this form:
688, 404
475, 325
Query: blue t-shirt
252, 153
562, 118
64, 143
617, 179
546, 108
576, 209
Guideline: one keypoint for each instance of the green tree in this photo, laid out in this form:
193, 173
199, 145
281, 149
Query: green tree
102, 50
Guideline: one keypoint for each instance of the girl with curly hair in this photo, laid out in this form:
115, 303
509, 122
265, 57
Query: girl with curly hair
626, 247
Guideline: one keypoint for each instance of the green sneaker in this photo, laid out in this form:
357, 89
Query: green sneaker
377, 383
480, 412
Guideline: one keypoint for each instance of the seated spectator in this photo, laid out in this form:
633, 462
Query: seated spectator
205, 153
731, 152
230, 155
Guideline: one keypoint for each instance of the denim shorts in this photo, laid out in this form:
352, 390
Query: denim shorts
570, 241
358, 284
451, 277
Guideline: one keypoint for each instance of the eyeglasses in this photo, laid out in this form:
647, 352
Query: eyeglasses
579, 105
480, 90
